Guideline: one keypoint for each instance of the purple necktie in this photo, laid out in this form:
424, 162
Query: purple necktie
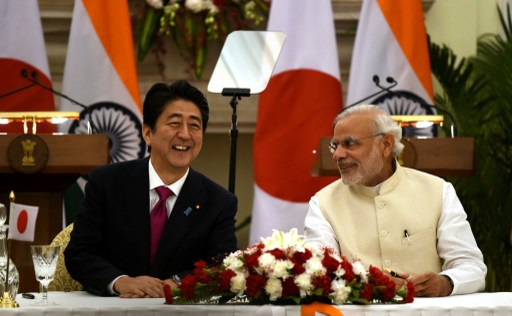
158, 218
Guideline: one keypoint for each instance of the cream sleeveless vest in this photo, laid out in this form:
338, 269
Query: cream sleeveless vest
374, 228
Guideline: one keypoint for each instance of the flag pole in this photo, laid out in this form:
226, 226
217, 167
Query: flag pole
7, 301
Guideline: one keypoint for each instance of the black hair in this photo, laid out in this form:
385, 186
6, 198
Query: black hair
160, 94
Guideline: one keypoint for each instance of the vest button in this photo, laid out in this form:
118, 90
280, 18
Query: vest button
383, 233
387, 263
381, 204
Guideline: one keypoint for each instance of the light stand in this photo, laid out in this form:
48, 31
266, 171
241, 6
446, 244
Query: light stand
236, 94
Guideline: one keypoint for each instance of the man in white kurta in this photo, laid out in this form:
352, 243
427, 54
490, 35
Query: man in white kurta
395, 218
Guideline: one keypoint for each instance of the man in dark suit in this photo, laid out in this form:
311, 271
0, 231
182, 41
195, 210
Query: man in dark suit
112, 250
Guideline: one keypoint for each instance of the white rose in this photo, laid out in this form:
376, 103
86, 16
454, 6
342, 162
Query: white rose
274, 289
303, 282
358, 269
199, 5
314, 266
233, 263
266, 261
157, 4
238, 283
340, 291
281, 269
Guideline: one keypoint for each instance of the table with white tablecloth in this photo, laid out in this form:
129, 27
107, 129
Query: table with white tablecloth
84, 304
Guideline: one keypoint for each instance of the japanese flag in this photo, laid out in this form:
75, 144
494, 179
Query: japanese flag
23, 50
22, 222
297, 108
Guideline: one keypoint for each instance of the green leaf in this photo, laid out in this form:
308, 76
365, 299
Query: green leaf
147, 33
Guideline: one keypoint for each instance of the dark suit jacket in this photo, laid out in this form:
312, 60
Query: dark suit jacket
111, 234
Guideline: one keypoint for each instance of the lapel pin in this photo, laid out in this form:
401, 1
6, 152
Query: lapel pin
198, 207
187, 211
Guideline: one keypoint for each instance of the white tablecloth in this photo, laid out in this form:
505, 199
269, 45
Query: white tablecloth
82, 303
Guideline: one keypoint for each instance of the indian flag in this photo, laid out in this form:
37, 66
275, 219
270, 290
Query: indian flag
294, 112
100, 74
391, 44
22, 49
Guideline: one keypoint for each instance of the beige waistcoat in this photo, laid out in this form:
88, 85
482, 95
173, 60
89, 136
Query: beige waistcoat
370, 227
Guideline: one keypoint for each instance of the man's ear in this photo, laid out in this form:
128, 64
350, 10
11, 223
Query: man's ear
146, 134
388, 143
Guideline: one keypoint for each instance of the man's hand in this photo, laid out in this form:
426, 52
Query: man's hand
431, 284
400, 279
142, 286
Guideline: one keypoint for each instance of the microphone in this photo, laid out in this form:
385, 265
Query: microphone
35, 81
392, 83
376, 81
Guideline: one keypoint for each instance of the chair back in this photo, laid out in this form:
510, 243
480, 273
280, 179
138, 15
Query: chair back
62, 280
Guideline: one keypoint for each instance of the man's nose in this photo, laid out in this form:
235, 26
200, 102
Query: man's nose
184, 132
339, 153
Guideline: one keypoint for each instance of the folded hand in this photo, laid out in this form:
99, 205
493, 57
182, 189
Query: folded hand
142, 286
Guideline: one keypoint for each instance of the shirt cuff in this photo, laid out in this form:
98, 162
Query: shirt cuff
110, 288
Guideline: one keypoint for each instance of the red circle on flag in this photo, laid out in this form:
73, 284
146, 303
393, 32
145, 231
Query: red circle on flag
22, 222
299, 108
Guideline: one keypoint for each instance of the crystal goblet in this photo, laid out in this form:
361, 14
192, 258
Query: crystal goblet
45, 262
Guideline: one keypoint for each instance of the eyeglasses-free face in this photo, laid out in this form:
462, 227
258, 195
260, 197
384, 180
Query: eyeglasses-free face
348, 143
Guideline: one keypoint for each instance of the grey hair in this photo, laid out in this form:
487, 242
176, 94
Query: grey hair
383, 123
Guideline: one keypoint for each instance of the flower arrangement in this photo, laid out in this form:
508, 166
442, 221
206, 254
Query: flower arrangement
191, 23
283, 269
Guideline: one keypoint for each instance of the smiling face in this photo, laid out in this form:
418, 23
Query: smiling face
367, 158
176, 139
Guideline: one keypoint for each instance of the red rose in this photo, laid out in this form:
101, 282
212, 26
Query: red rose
220, 3
290, 288
251, 260
200, 272
278, 253
254, 284
302, 257
225, 279
188, 286
347, 266
330, 263
322, 282
298, 267
409, 298
167, 294
366, 292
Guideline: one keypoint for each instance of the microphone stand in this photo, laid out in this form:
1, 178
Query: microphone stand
16, 90
35, 81
237, 94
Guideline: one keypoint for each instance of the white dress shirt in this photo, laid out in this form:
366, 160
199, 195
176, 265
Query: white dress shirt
155, 181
